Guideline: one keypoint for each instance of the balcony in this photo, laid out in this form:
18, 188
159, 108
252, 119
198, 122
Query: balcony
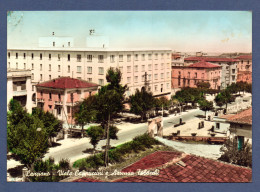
40, 100
20, 93
59, 102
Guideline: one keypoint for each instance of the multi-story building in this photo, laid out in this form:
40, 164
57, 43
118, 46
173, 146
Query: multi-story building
19, 87
244, 68
91, 64
229, 68
189, 76
58, 96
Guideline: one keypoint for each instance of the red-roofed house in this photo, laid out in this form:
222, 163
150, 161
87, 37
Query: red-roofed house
202, 71
229, 67
241, 126
59, 95
244, 68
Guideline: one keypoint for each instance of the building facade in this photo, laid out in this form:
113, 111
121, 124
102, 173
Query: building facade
58, 96
244, 68
229, 68
91, 64
189, 76
19, 87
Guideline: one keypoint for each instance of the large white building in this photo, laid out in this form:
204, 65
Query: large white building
91, 64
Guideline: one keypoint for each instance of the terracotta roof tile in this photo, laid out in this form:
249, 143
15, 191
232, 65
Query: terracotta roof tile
210, 59
203, 64
244, 117
248, 57
67, 83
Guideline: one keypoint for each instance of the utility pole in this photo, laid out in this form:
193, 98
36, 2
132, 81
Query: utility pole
71, 97
107, 143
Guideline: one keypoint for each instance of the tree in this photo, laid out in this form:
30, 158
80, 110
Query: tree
232, 154
203, 85
141, 102
162, 102
205, 105
95, 133
85, 112
223, 98
51, 124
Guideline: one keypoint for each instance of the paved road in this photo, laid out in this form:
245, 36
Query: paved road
76, 150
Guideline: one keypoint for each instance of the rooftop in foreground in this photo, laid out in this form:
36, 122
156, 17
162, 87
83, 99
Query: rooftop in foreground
180, 167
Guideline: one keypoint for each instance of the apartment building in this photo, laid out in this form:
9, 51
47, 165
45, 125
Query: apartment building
229, 68
59, 95
189, 76
244, 68
91, 64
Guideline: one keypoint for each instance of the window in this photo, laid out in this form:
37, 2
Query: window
120, 58
149, 77
136, 68
68, 109
128, 69
155, 76
143, 57
32, 87
121, 68
149, 56
53, 44
168, 55
162, 56
32, 56
161, 87
32, 76
90, 79
9, 55
156, 88
150, 67
41, 93
168, 85
49, 67
58, 68
168, 65
136, 79
156, 56
78, 69
195, 75
40, 67
89, 58
156, 66
101, 70
162, 75
49, 56
78, 77
68, 68
59, 110
162, 66
89, 70
32, 66
24, 66
68, 57
143, 77
128, 58
49, 77
143, 67
112, 58
227, 67
78, 58
50, 96
217, 125
59, 96
101, 82
100, 58
58, 57
247, 62
136, 57
40, 56
189, 75
68, 44
233, 70
233, 77
24, 55
168, 75
40, 77
202, 75
128, 79
16, 55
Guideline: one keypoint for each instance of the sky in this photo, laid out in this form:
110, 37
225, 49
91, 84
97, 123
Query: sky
186, 31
